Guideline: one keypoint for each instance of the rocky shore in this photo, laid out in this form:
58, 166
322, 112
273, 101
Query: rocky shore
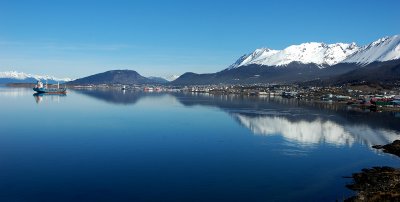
378, 183
393, 148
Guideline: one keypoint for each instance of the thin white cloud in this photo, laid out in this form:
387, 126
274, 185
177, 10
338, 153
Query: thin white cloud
54, 46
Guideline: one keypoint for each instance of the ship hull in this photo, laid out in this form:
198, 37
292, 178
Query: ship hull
51, 90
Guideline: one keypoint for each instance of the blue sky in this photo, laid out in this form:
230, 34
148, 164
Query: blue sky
161, 38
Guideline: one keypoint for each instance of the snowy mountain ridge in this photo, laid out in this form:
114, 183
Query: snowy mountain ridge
23, 76
323, 55
384, 49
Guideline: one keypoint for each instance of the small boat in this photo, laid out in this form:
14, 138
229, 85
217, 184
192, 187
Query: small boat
40, 88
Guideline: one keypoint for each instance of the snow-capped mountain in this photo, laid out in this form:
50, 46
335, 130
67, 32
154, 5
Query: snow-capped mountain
384, 49
20, 77
318, 53
171, 77
337, 63
159, 80
323, 55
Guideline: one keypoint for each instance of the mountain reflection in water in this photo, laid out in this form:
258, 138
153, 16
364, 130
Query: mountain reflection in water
317, 131
116, 96
304, 123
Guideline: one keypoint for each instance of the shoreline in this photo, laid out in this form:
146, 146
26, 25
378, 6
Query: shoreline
377, 183
310, 99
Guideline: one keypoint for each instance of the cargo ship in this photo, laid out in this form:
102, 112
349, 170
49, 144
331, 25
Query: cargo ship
40, 88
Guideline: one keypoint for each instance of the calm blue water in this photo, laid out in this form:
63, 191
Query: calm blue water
94, 145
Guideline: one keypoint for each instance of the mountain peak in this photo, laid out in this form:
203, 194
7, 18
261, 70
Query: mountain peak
381, 40
171, 77
323, 55
311, 52
14, 76
383, 49
256, 55
118, 77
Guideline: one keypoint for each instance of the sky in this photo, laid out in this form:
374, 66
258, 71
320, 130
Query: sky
77, 38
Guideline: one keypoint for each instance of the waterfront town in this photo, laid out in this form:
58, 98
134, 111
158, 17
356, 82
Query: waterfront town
365, 96
373, 97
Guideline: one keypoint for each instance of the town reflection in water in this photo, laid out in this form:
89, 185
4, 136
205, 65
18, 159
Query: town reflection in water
303, 123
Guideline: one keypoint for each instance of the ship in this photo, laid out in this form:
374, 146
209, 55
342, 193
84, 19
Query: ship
40, 88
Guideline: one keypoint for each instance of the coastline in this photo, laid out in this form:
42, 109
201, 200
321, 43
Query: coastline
310, 96
377, 183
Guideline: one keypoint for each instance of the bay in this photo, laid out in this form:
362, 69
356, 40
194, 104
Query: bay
113, 145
